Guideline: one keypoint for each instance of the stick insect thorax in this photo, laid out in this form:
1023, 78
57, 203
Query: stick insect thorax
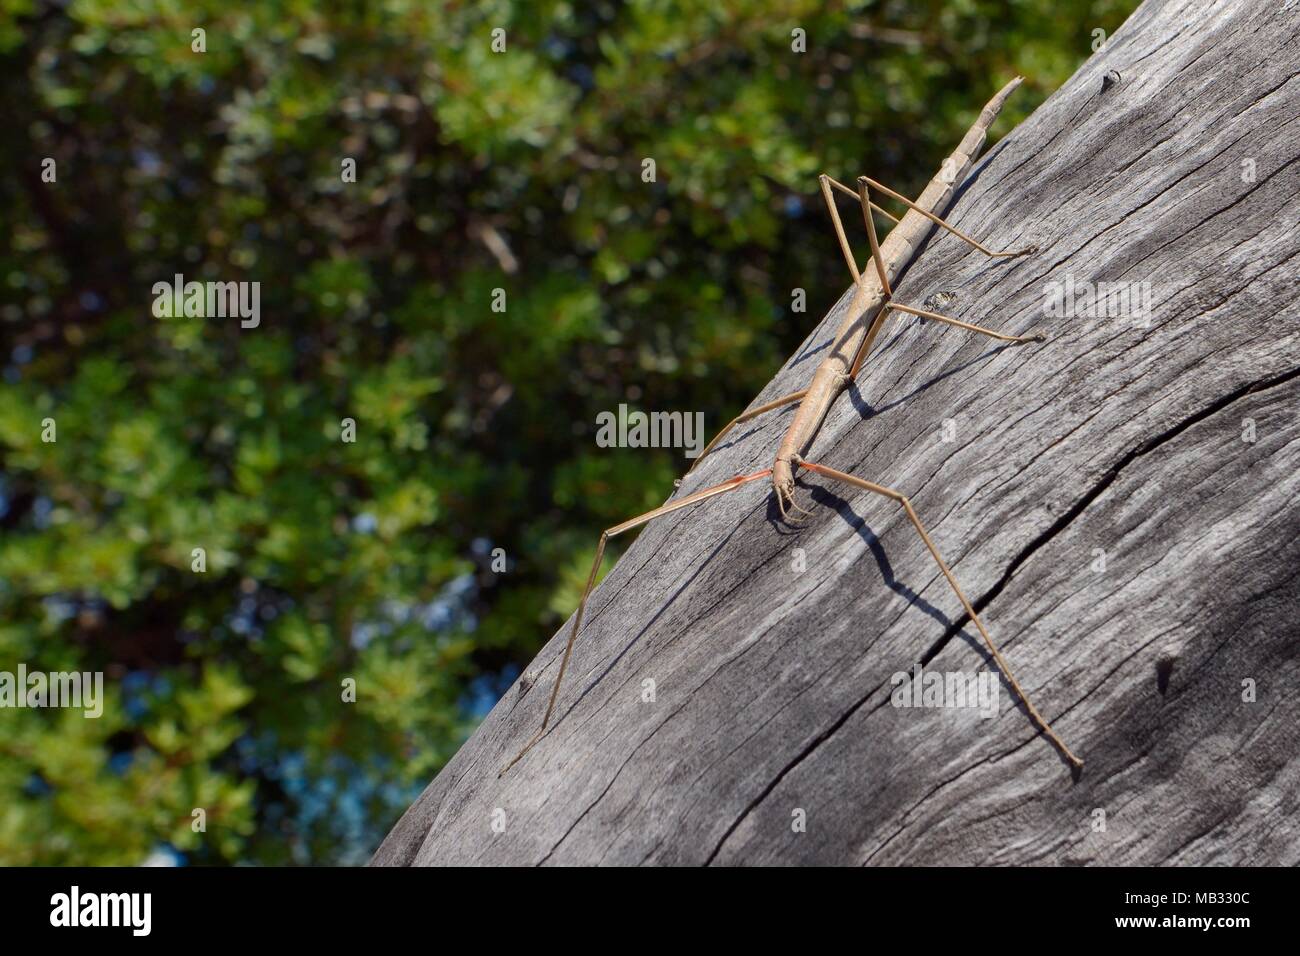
865, 315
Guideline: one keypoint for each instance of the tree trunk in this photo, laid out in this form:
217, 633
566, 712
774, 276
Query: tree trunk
1118, 502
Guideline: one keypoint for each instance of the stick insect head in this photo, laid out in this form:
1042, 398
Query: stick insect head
783, 487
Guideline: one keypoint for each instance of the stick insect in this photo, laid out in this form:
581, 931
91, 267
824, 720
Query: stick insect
869, 308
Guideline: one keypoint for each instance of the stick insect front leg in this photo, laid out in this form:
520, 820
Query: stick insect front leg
893, 495
740, 419
864, 197
867, 181
712, 492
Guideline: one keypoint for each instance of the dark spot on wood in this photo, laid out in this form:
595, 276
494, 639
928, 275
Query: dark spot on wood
1164, 667
939, 301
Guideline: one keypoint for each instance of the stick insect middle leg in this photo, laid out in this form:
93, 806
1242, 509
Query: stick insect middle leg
901, 499
864, 197
730, 484
861, 355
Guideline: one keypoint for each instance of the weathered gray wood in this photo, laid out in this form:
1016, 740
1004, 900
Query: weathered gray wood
773, 685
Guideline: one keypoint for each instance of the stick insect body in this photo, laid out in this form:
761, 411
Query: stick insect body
868, 310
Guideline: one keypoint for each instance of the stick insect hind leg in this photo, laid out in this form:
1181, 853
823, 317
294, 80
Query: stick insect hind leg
711, 492
902, 500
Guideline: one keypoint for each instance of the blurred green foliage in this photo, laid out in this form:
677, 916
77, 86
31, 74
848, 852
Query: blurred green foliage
329, 560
